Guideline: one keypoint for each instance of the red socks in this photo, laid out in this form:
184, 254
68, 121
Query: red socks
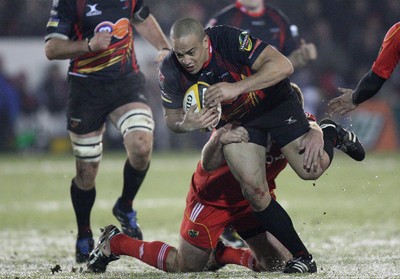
152, 253
243, 257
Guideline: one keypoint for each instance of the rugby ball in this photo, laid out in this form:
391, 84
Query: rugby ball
195, 96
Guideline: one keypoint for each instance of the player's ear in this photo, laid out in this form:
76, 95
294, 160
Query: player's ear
206, 41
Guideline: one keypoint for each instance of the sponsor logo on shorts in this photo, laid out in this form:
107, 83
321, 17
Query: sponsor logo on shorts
74, 122
193, 234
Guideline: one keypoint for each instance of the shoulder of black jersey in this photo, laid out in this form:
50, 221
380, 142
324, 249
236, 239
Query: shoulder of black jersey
279, 12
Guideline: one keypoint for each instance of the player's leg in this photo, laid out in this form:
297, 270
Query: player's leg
270, 254
295, 159
192, 258
86, 115
88, 152
247, 163
136, 124
113, 243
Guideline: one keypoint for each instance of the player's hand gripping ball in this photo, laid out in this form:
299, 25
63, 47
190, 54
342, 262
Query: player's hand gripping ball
195, 96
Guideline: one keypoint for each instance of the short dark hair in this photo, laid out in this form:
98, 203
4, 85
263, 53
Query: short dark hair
298, 92
187, 26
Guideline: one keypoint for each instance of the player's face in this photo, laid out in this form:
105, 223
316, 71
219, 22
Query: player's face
252, 4
191, 52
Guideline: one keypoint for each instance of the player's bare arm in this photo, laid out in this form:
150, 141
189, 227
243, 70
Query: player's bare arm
151, 31
271, 67
179, 122
212, 155
57, 48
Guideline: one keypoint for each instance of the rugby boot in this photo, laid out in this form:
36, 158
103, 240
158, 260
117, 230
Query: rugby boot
83, 248
346, 141
128, 222
301, 265
101, 256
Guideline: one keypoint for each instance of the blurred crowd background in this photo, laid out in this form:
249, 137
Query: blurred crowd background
347, 34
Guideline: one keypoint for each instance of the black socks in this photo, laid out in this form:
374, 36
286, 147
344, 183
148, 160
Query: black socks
275, 219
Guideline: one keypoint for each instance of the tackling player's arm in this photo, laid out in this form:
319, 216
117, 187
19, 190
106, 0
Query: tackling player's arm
212, 155
270, 68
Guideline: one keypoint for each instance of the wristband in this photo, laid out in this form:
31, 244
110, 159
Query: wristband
88, 45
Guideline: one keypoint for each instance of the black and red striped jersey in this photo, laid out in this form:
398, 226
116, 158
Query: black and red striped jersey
81, 19
269, 25
232, 54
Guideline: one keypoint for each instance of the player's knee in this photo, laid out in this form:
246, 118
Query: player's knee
172, 264
136, 120
87, 149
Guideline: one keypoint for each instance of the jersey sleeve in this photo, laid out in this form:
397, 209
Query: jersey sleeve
171, 93
62, 17
238, 45
389, 54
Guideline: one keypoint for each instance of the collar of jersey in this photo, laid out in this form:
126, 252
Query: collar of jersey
209, 55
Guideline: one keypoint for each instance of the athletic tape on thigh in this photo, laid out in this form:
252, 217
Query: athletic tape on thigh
87, 149
136, 119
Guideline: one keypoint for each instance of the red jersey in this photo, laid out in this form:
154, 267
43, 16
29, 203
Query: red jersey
389, 54
220, 189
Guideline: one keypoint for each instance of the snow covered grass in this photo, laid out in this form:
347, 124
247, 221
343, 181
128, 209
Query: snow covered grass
349, 218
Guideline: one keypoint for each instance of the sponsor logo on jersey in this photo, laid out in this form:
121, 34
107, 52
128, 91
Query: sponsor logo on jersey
53, 22
290, 120
119, 29
93, 11
245, 42
193, 234
258, 22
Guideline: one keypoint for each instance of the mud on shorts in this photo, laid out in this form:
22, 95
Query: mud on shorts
285, 123
92, 100
203, 224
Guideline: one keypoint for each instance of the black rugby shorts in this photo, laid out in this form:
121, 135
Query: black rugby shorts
92, 100
286, 122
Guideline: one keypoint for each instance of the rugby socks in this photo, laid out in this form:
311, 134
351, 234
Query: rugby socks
82, 202
243, 257
276, 220
330, 138
132, 180
152, 253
